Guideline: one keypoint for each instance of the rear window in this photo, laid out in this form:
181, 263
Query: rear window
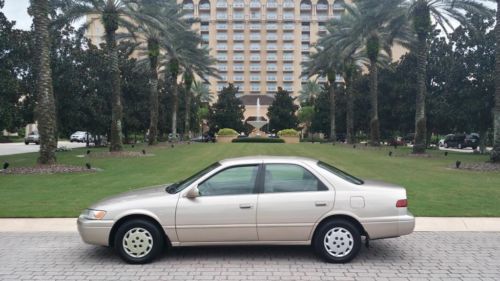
341, 174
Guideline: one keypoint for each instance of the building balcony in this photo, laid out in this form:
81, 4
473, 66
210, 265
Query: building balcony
254, 48
238, 37
238, 5
238, 47
221, 27
322, 17
221, 37
255, 27
255, 68
271, 27
255, 5
188, 16
222, 68
272, 5
271, 47
221, 16
254, 78
288, 37
238, 58
205, 17
221, 48
289, 5
238, 68
288, 78
288, 47
305, 7
305, 38
288, 58
255, 58
239, 27
271, 58
288, 17
321, 7
338, 6
255, 89
204, 28
255, 37
271, 37
322, 28
272, 68
221, 5
204, 7
222, 58
306, 28
288, 27
238, 16
287, 68
188, 7
272, 17
238, 78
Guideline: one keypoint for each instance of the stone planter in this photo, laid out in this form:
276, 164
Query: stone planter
225, 139
290, 139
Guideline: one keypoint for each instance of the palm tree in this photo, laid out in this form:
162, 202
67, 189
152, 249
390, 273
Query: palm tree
309, 92
184, 55
113, 14
45, 110
374, 29
201, 91
156, 24
495, 153
422, 14
325, 63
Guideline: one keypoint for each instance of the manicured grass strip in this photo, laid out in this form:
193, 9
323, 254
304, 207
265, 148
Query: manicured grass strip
434, 189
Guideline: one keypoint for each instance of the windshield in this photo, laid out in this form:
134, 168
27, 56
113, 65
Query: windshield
178, 186
340, 173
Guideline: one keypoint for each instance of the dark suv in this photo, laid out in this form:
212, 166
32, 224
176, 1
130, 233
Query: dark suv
462, 141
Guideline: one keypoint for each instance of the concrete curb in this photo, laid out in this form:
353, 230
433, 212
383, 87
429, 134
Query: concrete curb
422, 224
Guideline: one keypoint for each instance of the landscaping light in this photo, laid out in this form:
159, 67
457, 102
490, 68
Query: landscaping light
6, 165
354, 146
144, 151
88, 166
457, 164
446, 153
88, 151
390, 153
172, 145
133, 145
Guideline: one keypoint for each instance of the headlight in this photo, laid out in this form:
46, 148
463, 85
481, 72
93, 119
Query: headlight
90, 214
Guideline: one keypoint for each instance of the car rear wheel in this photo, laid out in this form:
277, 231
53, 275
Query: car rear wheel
337, 241
138, 241
26, 142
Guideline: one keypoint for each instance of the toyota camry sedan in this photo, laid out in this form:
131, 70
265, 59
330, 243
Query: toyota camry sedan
259, 200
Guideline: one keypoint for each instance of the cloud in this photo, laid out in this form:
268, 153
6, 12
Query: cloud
17, 10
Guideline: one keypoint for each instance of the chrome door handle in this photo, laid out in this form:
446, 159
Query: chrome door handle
245, 206
320, 204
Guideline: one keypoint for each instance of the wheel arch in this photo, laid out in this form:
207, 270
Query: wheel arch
346, 217
122, 220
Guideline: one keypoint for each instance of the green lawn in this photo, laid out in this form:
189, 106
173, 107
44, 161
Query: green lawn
434, 189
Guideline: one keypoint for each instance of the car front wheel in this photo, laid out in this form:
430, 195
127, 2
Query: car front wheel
138, 241
337, 241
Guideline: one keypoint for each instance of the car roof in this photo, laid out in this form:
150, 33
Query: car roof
265, 158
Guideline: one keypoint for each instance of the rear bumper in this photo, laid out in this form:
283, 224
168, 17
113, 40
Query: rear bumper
388, 227
95, 232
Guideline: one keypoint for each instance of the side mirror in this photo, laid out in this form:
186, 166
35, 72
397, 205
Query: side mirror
193, 193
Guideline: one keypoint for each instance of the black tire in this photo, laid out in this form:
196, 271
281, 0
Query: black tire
339, 225
37, 142
26, 142
155, 235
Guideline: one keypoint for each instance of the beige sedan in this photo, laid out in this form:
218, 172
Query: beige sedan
252, 201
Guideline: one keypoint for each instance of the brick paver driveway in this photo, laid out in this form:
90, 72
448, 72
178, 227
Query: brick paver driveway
420, 256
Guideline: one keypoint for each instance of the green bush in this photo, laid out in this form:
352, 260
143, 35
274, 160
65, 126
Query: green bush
288, 133
227, 132
260, 140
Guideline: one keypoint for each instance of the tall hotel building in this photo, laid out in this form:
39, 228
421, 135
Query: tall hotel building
259, 44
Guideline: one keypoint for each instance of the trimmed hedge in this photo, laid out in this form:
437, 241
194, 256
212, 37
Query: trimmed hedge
288, 133
227, 132
261, 140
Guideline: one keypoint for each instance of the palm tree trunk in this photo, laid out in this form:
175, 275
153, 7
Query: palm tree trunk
154, 108
420, 120
349, 114
116, 143
187, 115
333, 135
46, 109
495, 153
175, 103
374, 122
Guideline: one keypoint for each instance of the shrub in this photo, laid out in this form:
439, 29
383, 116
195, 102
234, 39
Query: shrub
260, 140
288, 133
227, 132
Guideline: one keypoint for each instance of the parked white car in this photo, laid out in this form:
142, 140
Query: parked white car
249, 201
80, 136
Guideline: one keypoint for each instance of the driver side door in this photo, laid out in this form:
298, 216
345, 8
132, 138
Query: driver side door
225, 211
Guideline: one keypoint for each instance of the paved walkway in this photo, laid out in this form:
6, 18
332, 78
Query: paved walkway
422, 224
20, 147
420, 256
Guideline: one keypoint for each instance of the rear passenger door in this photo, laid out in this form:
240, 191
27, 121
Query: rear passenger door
292, 199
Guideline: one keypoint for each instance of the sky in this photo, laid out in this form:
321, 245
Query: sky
17, 10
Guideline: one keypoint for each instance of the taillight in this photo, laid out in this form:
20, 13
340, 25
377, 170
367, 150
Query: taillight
402, 203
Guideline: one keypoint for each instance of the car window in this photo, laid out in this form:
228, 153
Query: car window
231, 181
290, 178
341, 174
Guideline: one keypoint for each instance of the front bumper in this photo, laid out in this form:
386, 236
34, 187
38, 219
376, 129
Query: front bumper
95, 232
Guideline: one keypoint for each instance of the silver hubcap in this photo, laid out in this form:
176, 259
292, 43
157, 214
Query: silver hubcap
137, 242
338, 242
